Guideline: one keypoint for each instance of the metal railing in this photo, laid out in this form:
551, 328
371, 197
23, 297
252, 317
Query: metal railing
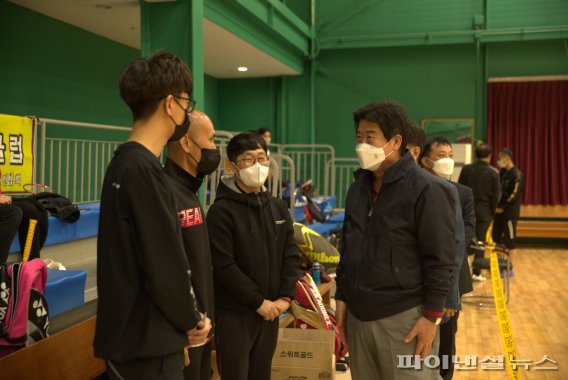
75, 167
340, 177
283, 174
310, 163
211, 181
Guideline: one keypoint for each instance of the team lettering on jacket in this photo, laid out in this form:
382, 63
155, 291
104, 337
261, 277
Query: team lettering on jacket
190, 217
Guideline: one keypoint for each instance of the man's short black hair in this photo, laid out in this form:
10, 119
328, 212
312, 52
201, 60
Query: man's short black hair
439, 140
417, 136
146, 81
483, 151
262, 131
508, 152
391, 118
244, 142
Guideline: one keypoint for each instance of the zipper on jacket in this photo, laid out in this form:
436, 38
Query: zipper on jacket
262, 217
369, 216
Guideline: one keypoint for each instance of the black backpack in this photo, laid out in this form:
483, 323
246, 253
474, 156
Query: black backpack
58, 206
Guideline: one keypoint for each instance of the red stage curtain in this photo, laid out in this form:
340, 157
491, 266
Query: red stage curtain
531, 118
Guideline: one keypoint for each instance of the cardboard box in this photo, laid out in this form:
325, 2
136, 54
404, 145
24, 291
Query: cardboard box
304, 355
290, 373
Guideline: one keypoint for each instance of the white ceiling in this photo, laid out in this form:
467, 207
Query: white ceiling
119, 20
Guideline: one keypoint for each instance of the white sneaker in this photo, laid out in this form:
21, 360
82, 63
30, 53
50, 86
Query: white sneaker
478, 278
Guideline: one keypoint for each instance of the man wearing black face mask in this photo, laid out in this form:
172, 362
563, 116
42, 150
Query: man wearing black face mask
189, 160
147, 314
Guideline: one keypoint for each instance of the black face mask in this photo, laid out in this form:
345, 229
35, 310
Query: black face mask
180, 129
210, 159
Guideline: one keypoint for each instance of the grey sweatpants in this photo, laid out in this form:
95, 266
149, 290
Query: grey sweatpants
375, 346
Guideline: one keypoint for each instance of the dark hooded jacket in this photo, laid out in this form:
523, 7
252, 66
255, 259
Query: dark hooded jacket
254, 253
194, 233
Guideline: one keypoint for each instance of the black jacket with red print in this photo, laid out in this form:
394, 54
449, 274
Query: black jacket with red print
195, 236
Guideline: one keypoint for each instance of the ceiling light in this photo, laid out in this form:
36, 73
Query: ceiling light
243, 69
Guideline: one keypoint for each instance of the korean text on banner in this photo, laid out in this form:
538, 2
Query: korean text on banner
16, 152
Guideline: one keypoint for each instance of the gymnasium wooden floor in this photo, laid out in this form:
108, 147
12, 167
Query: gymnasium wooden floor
539, 318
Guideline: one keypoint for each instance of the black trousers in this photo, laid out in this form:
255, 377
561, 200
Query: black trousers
448, 332
165, 368
505, 230
32, 211
10, 219
481, 227
200, 363
245, 345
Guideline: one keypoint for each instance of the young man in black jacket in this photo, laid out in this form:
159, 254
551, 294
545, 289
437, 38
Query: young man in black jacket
397, 252
189, 160
255, 262
437, 158
146, 313
509, 209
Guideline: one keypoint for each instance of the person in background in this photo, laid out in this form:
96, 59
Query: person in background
147, 315
416, 140
255, 263
437, 158
31, 209
15, 216
10, 219
397, 251
265, 134
483, 180
189, 160
509, 207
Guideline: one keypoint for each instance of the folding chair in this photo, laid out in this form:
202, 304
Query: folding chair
487, 300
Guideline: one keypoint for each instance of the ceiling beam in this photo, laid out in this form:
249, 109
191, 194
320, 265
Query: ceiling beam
444, 38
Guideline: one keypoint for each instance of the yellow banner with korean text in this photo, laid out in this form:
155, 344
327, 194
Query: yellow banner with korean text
16, 153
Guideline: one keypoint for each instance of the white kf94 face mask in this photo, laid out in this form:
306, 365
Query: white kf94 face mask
255, 175
370, 157
444, 167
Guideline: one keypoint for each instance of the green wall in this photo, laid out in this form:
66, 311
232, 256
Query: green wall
54, 70
528, 58
211, 99
429, 82
347, 18
246, 104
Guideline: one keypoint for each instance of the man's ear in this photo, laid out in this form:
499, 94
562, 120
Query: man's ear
168, 104
397, 142
423, 162
415, 152
185, 143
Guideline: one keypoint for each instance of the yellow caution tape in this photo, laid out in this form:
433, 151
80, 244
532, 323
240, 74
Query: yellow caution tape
502, 312
29, 239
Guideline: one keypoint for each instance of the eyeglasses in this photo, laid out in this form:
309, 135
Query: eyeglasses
249, 161
190, 103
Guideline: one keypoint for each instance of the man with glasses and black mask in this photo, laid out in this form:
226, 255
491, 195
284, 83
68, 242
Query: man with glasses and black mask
255, 262
189, 160
146, 314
